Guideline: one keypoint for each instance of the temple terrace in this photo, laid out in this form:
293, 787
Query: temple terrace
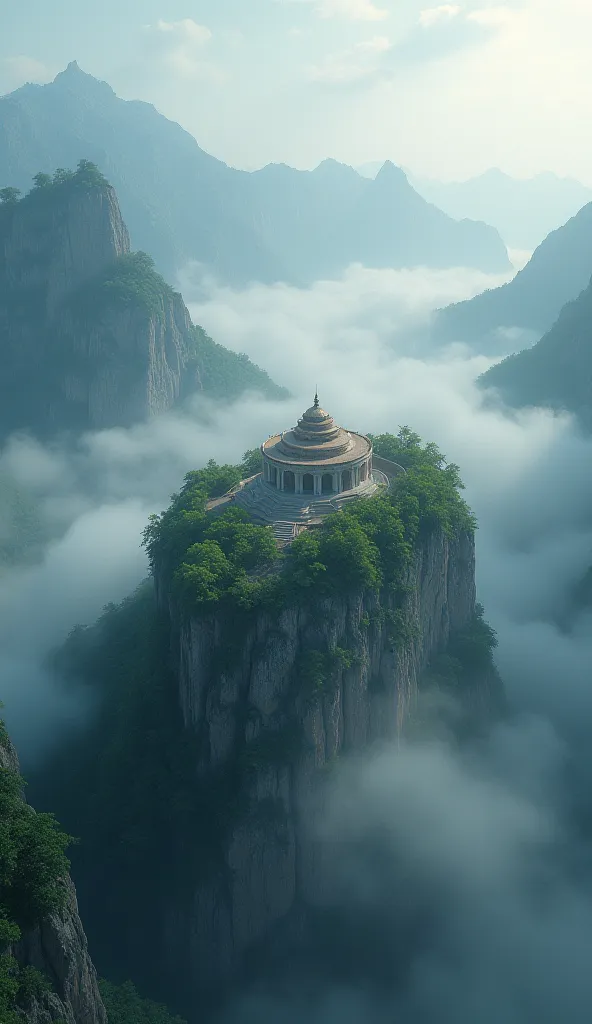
308, 472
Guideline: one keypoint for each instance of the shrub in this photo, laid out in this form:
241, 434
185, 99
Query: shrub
125, 1006
33, 863
369, 545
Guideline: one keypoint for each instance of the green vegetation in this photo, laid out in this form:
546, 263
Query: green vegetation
9, 196
366, 546
48, 187
132, 799
33, 864
145, 820
469, 655
555, 372
129, 283
125, 1006
429, 480
130, 280
225, 374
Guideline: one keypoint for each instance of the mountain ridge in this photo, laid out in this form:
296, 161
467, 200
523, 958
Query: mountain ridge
557, 272
556, 372
182, 204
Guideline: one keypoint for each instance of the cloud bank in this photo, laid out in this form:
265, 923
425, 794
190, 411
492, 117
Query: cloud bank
464, 872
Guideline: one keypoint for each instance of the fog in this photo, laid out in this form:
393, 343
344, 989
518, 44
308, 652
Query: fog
482, 843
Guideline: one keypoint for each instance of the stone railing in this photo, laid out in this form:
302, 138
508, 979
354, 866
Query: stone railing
390, 469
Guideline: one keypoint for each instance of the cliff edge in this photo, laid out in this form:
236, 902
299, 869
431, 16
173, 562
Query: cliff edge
231, 685
48, 964
285, 666
91, 336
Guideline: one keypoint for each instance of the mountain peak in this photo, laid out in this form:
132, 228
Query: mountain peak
329, 166
74, 76
389, 172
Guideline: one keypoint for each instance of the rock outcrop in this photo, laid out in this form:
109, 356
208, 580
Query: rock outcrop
281, 703
57, 947
91, 336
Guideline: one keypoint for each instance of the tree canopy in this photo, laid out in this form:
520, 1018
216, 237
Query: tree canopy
365, 546
33, 864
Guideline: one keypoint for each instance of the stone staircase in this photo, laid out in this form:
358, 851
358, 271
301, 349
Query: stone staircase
271, 506
283, 532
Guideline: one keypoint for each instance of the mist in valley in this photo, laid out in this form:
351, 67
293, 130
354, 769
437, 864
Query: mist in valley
457, 882
484, 845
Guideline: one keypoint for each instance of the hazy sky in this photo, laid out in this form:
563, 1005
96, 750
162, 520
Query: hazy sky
447, 90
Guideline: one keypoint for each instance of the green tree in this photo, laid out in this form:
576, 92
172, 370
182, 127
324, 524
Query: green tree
245, 544
62, 176
252, 462
125, 1006
9, 196
33, 864
205, 574
41, 181
32, 856
89, 174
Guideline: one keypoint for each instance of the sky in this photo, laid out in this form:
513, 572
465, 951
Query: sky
446, 90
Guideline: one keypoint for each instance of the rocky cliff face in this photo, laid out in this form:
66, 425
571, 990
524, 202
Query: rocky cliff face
90, 337
57, 947
248, 709
52, 245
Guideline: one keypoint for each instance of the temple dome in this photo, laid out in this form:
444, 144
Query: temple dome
315, 413
316, 437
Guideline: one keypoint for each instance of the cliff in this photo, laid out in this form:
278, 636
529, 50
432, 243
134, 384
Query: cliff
557, 371
56, 947
90, 335
556, 273
306, 685
181, 204
229, 686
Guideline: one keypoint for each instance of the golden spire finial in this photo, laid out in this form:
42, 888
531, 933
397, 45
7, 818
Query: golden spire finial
316, 398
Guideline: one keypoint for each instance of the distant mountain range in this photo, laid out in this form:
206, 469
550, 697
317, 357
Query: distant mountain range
557, 371
524, 210
90, 335
557, 272
181, 204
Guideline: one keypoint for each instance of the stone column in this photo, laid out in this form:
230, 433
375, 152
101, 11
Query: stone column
336, 483
281, 480
298, 483
318, 488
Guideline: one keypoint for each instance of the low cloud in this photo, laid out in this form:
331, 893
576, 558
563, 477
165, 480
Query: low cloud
353, 10
351, 65
187, 29
179, 47
348, 10
432, 15
468, 869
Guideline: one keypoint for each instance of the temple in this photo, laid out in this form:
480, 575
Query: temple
308, 472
